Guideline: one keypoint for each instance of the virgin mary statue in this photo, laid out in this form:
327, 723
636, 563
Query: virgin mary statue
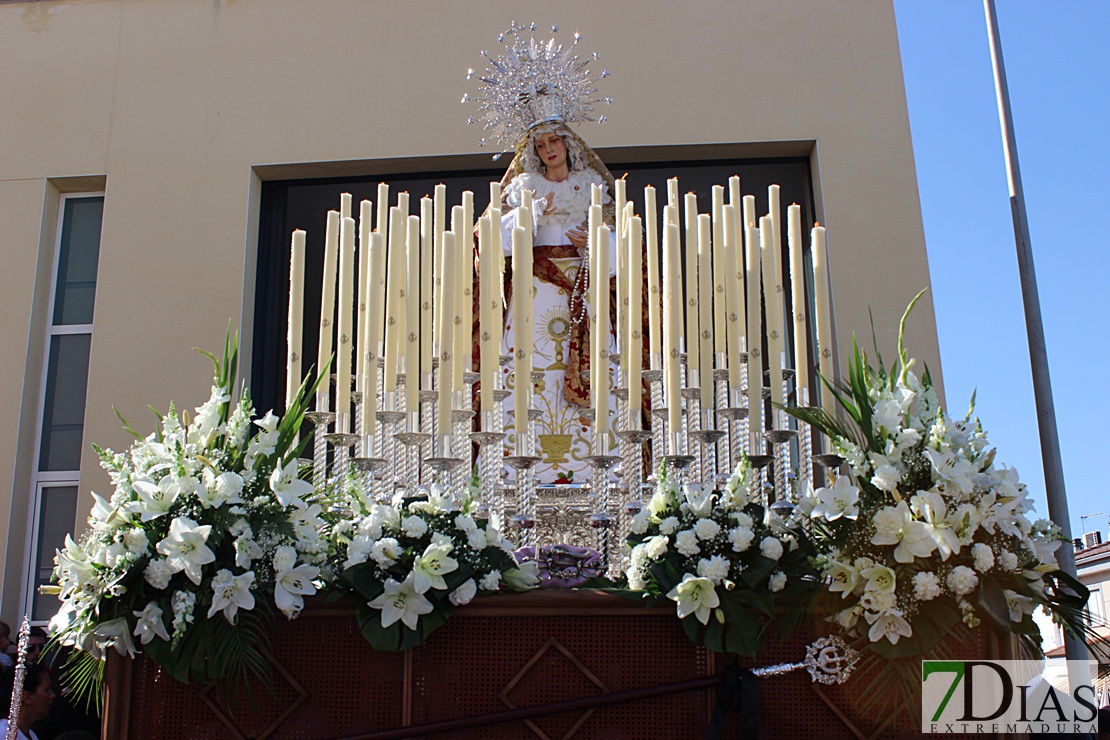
538, 89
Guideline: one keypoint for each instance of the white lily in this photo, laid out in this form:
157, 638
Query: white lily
895, 525
1018, 605
524, 577
115, 633
220, 489
155, 499
150, 624
428, 569
695, 596
185, 548
842, 500
699, 499
230, 593
291, 585
930, 507
842, 578
890, 624
287, 487
400, 601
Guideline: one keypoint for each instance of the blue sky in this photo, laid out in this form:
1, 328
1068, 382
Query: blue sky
1058, 74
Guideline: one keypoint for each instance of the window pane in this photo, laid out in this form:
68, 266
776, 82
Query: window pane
57, 511
77, 261
67, 378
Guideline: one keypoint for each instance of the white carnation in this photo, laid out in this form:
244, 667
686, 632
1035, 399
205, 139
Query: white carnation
706, 529
491, 581
771, 548
983, 557
926, 586
158, 573
741, 538
414, 526
1008, 560
464, 593
686, 542
715, 568
669, 525
777, 581
962, 580
386, 551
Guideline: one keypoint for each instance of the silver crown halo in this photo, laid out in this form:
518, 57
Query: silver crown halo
533, 82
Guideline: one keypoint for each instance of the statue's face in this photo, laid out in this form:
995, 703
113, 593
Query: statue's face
551, 149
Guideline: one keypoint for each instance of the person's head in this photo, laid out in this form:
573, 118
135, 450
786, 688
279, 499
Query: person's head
36, 643
38, 693
551, 145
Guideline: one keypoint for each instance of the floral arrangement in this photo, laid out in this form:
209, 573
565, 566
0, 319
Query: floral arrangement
720, 555
926, 531
411, 563
208, 529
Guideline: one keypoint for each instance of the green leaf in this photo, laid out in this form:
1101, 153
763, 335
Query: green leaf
743, 630
992, 604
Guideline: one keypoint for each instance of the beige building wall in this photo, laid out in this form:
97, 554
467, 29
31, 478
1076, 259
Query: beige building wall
181, 106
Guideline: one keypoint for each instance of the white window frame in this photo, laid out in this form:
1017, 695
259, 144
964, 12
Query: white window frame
53, 478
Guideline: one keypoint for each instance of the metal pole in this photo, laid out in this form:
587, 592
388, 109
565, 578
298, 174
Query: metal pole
1038, 354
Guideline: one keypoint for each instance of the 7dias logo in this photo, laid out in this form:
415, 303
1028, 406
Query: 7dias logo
971, 696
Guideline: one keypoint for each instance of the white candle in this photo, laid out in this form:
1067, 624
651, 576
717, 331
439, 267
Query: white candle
635, 359
620, 197
772, 302
600, 336
365, 228
719, 272
412, 316
495, 195
344, 205
403, 204
381, 225
822, 298
672, 196
522, 334
621, 237
446, 333
735, 325
489, 296
705, 342
461, 337
498, 304
672, 318
294, 326
464, 241
439, 225
427, 291
371, 337
395, 301
655, 288
345, 327
693, 318
798, 300
755, 340
595, 195
327, 301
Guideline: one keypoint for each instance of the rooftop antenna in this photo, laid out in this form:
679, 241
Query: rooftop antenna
1084, 517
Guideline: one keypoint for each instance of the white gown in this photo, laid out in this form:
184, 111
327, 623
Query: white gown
563, 434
